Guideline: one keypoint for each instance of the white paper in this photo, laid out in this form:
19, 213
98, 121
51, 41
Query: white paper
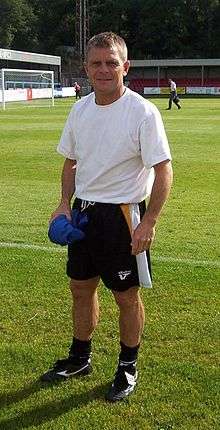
142, 263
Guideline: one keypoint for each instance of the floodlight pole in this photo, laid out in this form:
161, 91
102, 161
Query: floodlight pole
81, 28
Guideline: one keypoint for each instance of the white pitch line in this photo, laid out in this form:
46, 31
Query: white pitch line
31, 246
191, 262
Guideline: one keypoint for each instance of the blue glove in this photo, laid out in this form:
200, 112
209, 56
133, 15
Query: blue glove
64, 232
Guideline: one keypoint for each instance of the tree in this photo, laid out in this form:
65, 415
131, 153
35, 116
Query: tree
55, 23
215, 40
16, 26
152, 29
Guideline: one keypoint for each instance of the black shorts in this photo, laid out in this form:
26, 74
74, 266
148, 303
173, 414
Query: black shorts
106, 249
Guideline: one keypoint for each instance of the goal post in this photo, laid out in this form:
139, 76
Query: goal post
32, 87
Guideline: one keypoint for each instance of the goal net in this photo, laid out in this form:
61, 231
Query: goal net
29, 87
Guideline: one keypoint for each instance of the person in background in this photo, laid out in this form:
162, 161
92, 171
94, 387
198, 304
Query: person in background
77, 89
116, 155
173, 95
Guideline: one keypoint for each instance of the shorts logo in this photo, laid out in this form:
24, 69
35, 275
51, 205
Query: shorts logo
123, 275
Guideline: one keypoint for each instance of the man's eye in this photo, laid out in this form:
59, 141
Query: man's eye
113, 63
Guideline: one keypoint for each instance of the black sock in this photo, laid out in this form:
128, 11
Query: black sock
128, 355
80, 350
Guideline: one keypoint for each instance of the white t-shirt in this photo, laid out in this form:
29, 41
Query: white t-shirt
115, 147
173, 86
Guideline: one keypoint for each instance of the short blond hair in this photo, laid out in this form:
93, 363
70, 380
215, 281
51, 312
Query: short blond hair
108, 40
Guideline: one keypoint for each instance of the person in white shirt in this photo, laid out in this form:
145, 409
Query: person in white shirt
173, 95
116, 155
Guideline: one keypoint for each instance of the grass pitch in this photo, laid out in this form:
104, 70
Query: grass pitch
178, 364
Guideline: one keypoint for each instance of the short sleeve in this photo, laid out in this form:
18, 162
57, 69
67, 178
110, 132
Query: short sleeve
153, 140
67, 142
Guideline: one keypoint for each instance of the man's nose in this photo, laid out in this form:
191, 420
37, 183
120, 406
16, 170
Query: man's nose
103, 67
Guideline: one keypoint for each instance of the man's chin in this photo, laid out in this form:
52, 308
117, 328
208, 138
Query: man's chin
104, 86
103, 89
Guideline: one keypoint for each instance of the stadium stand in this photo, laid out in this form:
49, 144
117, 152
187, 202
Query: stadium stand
139, 84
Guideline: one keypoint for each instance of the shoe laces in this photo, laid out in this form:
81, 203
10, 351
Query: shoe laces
62, 362
71, 360
120, 380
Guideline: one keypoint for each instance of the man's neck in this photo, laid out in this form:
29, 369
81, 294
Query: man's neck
107, 99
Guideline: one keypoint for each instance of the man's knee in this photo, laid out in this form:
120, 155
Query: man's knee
127, 298
83, 289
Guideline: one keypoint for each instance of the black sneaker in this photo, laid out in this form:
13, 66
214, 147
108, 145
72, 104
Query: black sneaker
123, 384
65, 369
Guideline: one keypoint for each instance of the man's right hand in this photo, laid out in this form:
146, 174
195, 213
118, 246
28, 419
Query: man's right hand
63, 209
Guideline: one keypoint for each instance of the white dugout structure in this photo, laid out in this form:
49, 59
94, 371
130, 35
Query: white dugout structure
8, 57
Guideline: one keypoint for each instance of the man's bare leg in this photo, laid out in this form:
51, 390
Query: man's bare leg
85, 319
131, 323
85, 310
132, 316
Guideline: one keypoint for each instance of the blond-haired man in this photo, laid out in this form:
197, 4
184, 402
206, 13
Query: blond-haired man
116, 154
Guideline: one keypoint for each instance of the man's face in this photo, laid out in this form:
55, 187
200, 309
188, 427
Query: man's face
106, 69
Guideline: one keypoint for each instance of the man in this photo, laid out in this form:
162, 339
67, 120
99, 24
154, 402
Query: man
113, 141
173, 95
77, 90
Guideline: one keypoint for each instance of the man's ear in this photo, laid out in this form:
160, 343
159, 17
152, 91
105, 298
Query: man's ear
126, 68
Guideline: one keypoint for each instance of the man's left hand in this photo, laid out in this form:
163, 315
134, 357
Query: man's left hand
142, 238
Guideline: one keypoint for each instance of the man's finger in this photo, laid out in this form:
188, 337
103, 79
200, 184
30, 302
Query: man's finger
141, 246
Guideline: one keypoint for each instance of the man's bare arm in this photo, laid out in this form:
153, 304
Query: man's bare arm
67, 189
144, 234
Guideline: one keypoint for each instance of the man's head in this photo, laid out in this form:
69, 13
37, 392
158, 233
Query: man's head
106, 65
108, 40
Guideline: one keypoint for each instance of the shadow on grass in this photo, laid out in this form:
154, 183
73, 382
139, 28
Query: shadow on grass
19, 395
50, 410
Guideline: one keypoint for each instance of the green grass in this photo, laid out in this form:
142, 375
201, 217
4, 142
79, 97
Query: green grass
178, 386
